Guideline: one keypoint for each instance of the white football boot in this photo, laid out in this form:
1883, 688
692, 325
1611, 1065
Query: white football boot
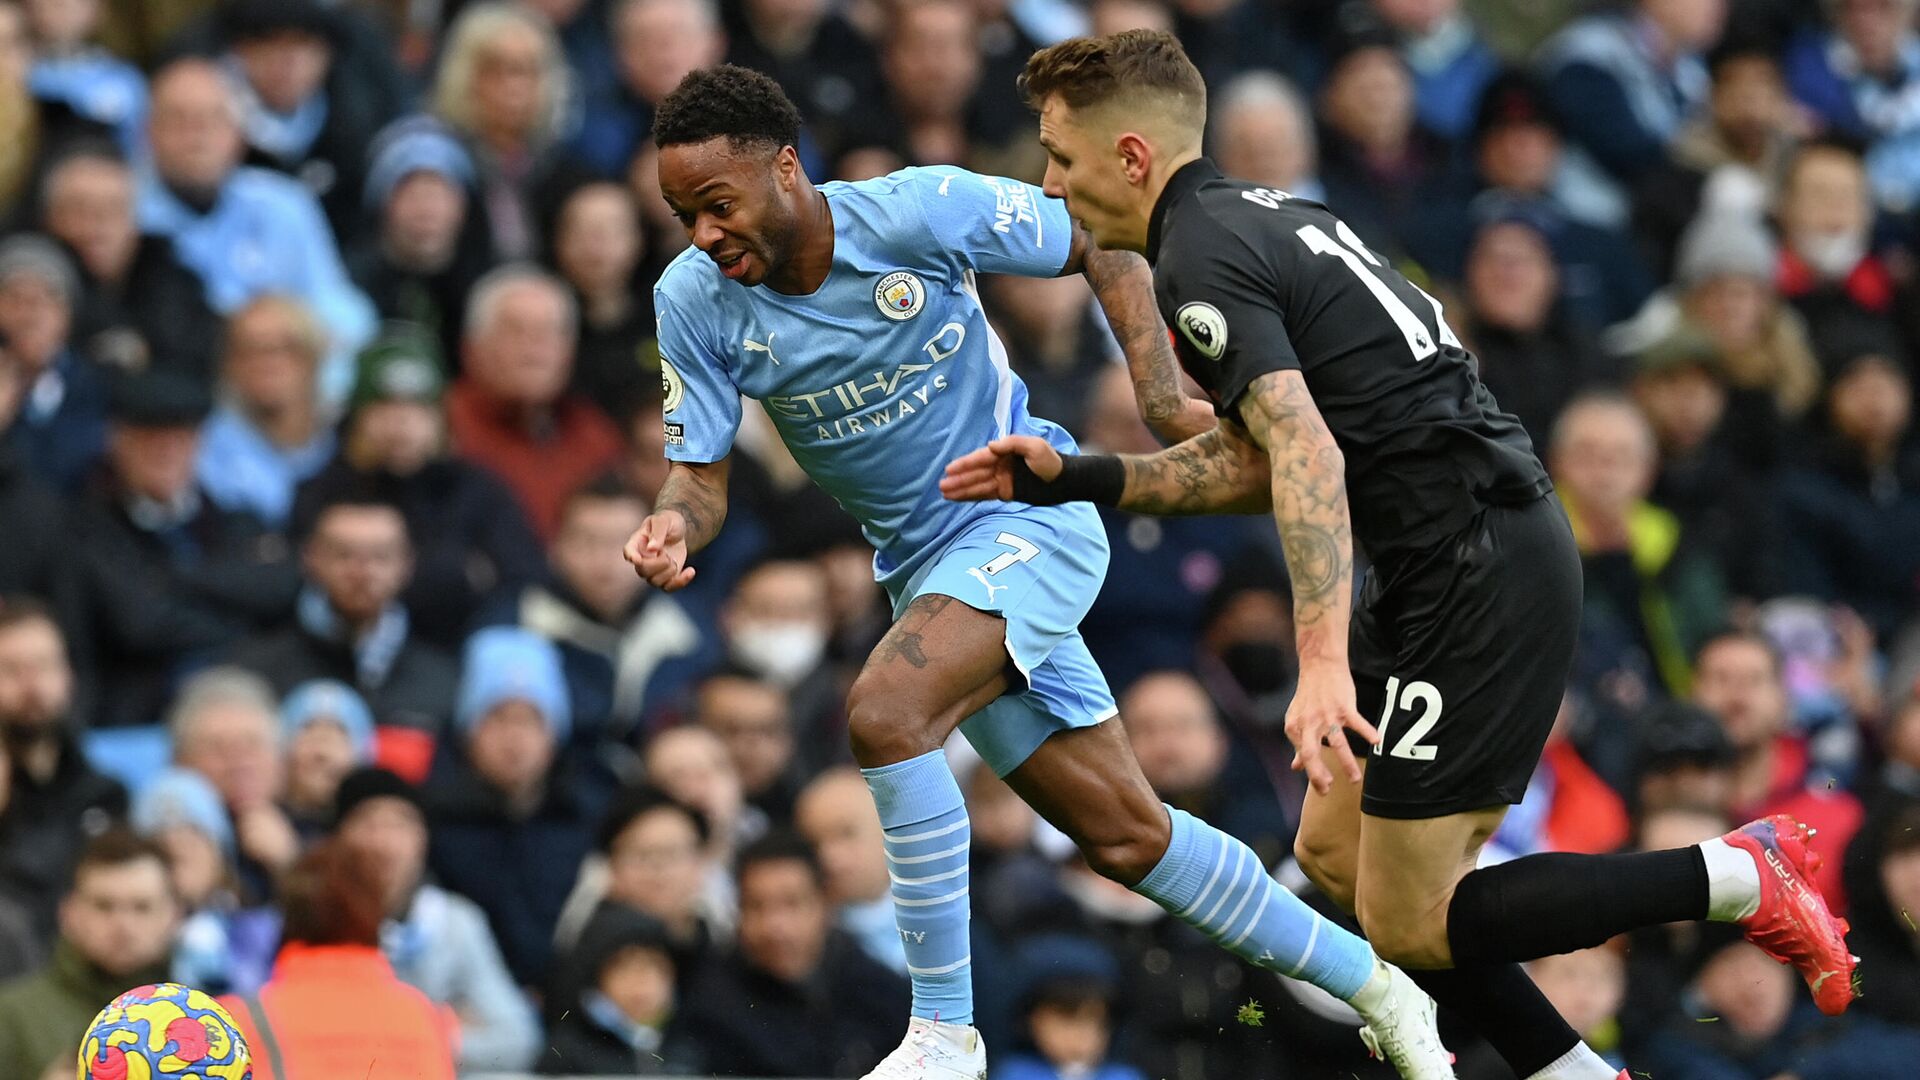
936, 1051
1400, 1026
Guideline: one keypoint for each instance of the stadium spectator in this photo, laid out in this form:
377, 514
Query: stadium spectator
1525, 168
171, 580
931, 64
1625, 82
31, 128
1760, 1023
1184, 753
302, 113
655, 44
1265, 134
328, 732
775, 624
1726, 288
71, 71
139, 306
427, 244
1898, 780
1706, 476
1568, 807
820, 59
35, 560
503, 87
1739, 679
690, 764
844, 829
221, 947
1451, 64
1852, 507
628, 649
1534, 354
117, 922
622, 1021
1684, 761
1855, 77
267, 434
244, 230
511, 411
351, 626
1244, 657
658, 864
225, 726
55, 799
666, 237
752, 718
596, 249
1642, 575
1728, 161
1588, 988
437, 941
1386, 173
511, 816
1884, 881
60, 429
468, 534
1067, 1014
1828, 268
798, 998
334, 1006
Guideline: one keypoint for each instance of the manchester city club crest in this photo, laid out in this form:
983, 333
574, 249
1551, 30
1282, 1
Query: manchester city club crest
899, 295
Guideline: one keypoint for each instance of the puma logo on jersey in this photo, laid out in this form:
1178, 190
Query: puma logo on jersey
1204, 327
754, 346
991, 587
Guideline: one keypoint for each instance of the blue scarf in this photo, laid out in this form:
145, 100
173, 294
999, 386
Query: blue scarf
376, 651
282, 136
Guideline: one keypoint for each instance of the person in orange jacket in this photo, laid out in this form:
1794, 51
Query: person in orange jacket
334, 1007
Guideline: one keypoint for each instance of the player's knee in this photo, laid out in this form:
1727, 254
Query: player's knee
1127, 851
1416, 940
1328, 864
887, 728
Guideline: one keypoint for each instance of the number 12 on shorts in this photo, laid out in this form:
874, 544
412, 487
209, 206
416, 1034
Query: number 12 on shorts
1417, 695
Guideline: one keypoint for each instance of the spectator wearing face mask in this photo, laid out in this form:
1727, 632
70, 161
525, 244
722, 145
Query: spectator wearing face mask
1829, 270
775, 626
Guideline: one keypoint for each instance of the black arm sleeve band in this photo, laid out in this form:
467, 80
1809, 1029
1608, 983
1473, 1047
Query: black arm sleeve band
1094, 478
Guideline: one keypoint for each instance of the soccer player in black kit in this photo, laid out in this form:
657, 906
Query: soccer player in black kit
1350, 410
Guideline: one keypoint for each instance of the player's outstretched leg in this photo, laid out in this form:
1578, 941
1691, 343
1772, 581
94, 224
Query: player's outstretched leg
939, 663
1087, 783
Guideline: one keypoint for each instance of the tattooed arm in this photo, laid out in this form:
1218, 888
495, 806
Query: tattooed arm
1123, 284
1309, 483
687, 515
1219, 472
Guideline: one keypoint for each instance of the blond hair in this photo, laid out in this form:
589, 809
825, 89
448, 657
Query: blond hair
477, 27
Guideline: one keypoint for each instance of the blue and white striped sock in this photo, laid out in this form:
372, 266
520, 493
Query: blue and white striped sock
928, 836
1217, 884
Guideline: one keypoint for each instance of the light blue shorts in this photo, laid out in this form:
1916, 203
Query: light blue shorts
1039, 568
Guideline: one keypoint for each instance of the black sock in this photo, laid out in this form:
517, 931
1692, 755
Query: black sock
1547, 904
1501, 1004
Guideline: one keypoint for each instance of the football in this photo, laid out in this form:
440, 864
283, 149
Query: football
162, 1032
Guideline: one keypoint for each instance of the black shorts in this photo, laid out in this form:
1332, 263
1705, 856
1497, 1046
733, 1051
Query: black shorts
1472, 638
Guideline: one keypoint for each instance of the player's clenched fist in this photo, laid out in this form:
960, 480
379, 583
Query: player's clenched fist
658, 551
998, 469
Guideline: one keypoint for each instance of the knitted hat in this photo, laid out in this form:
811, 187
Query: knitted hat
401, 364
182, 797
158, 399
1725, 244
411, 145
363, 785
31, 254
328, 699
506, 663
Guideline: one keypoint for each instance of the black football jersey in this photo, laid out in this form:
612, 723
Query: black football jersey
1252, 280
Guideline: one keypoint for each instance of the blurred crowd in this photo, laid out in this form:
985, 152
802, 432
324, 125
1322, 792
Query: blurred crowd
328, 398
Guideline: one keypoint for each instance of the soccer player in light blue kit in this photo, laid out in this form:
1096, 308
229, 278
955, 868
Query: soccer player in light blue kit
850, 311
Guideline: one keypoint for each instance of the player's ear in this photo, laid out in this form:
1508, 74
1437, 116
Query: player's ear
786, 166
1136, 156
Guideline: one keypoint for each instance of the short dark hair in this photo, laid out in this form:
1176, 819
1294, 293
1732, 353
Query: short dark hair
634, 803
603, 488
739, 104
1090, 71
780, 847
119, 846
1743, 636
357, 496
18, 610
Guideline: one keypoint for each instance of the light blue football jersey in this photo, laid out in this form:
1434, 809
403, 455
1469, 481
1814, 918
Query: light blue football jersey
887, 371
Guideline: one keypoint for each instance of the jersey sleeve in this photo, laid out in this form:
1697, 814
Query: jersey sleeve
1225, 309
994, 225
700, 404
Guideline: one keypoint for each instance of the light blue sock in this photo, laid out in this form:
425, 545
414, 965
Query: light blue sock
925, 820
1217, 884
